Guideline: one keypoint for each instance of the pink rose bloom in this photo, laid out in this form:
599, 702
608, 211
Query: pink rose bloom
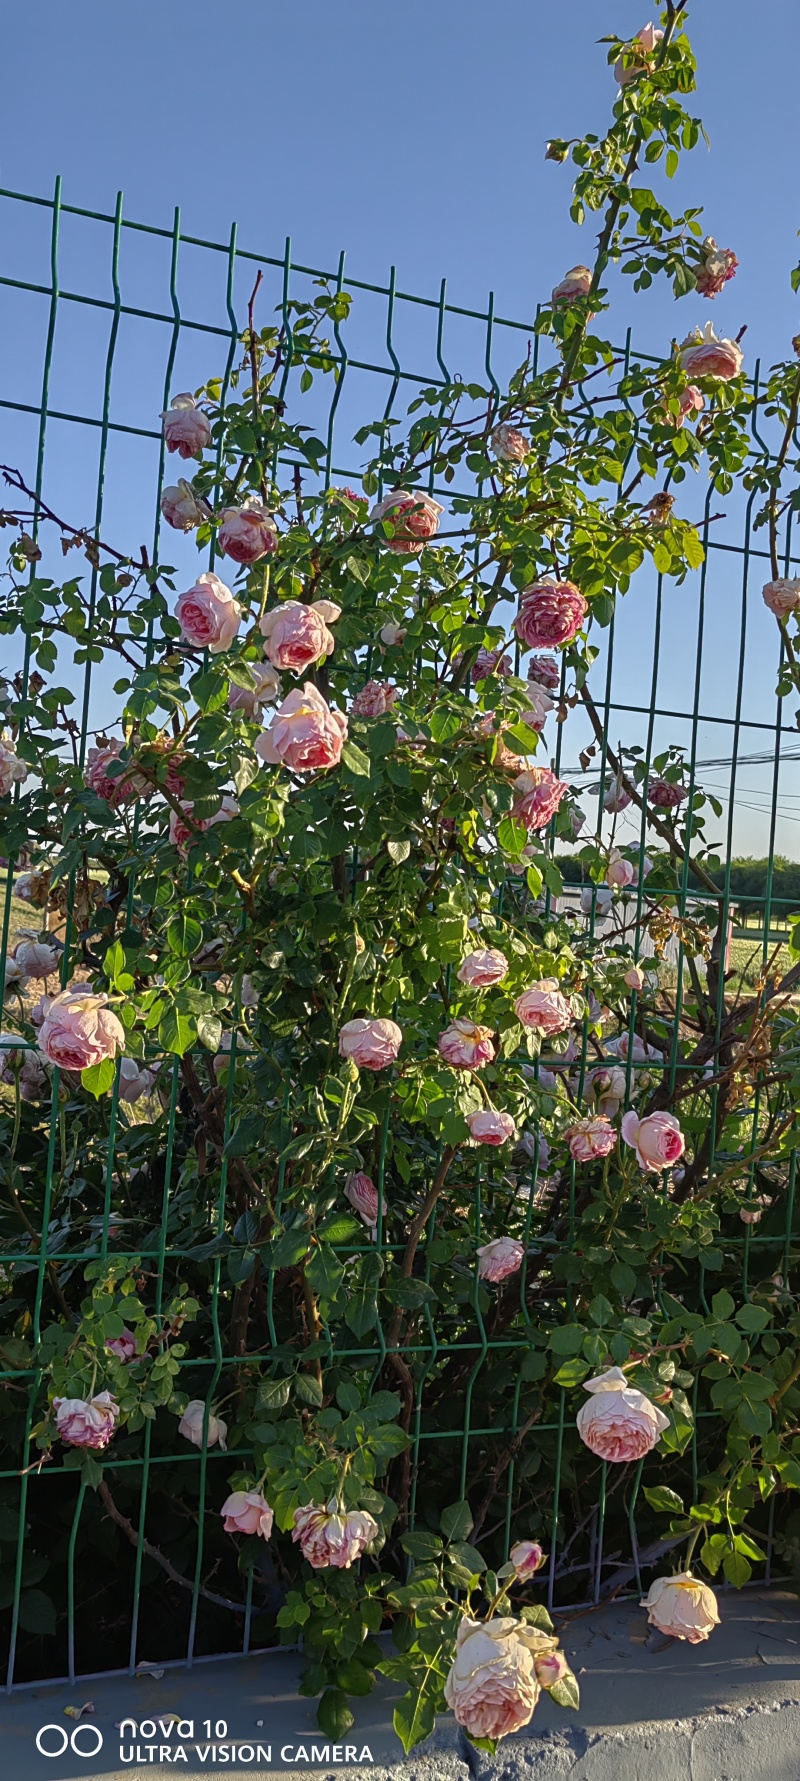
488, 1127
135, 1080
362, 1193
305, 735
619, 872
296, 635
12, 770
414, 519
266, 691
86, 1422
374, 699
543, 1008
182, 833
619, 1423
664, 794
124, 1346
704, 355
36, 959
640, 1052
182, 508
247, 533
590, 1138
187, 430
466, 1046
508, 444
527, 1557
657, 1139
635, 979
331, 1536
247, 1512
32, 887
690, 399
550, 613
120, 789
545, 671
717, 266
550, 1668
489, 661
538, 709
492, 1687
208, 615
537, 795
483, 969
647, 867
498, 1259
79, 1029
782, 596
191, 1426
641, 48
393, 635
617, 796
575, 283
682, 1607
370, 1042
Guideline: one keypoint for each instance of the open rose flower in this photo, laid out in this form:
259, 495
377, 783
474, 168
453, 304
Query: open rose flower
305, 735
492, 1686
413, 518
484, 968
704, 355
374, 699
362, 1193
13, 771
664, 794
605, 1089
782, 596
191, 1425
124, 1346
542, 1008
250, 699
208, 615
36, 959
638, 58
119, 788
33, 887
86, 1422
544, 670
247, 1512
690, 401
682, 1607
617, 796
392, 635
296, 635
597, 897
489, 661
498, 1259
489, 1127
183, 833
637, 1049
247, 533
182, 508
537, 795
590, 1138
619, 1423
575, 283
508, 444
527, 1557
466, 1046
550, 613
187, 430
79, 1029
717, 265
538, 708
657, 1140
371, 1043
332, 1536
620, 873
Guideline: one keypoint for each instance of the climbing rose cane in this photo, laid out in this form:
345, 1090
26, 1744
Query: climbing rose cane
619, 1423
682, 1607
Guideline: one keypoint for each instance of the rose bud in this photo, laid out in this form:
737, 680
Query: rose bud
489, 661
617, 796
620, 873
551, 1668
542, 1007
393, 635
182, 508
208, 615
413, 517
331, 1537
36, 959
247, 533
488, 1127
191, 1425
682, 1607
498, 1259
635, 979
550, 613
640, 51
702, 354
370, 1042
527, 1557
362, 1193
619, 1423
657, 1139
187, 430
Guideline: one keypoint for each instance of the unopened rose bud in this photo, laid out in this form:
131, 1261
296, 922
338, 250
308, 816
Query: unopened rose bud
556, 151
30, 550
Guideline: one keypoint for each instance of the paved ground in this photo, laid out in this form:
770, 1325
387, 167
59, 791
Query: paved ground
651, 1711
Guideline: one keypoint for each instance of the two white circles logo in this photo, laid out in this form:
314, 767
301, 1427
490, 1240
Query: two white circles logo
49, 1735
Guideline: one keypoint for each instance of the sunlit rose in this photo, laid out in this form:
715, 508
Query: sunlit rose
489, 661
704, 355
79, 1029
267, 690
545, 671
682, 1607
187, 430
247, 533
466, 1046
620, 872
13, 771
782, 596
617, 796
590, 1139
619, 1423
527, 1557
370, 1042
114, 789
542, 1008
664, 794
411, 515
508, 444
36, 959
639, 55
550, 613
208, 615
296, 635
575, 283
492, 1687
537, 795
305, 734
182, 508
483, 969
717, 265
657, 1139
374, 699
489, 1127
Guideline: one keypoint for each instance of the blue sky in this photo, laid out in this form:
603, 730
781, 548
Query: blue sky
412, 135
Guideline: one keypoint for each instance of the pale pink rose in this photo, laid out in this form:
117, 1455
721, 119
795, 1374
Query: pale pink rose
266, 691
492, 1687
79, 1029
641, 48
305, 735
508, 444
22, 1067
538, 708
704, 355
635, 979
32, 887
718, 264
682, 1607
370, 1042
550, 613
617, 796
577, 818
754, 1211
527, 1557
466, 1046
619, 1423
590, 1138
606, 1090
182, 508
690, 399
488, 1127
124, 1346
551, 1668
537, 795
13, 771
135, 1080
499, 1258
489, 661
782, 596
483, 969
187, 430
247, 1512
393, 635
247, 533
36, 959
575, 283
664, 794
332, 1536
640, 1052
296, 635
182, 833
86, 1422
543, 1008
545, 671
657, 1139
413, 516
208, 615
647, 867
362, 1193
116, 789
374, 699
619, 872
191, 1425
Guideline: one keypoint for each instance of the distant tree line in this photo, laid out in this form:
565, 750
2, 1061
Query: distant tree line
748, 881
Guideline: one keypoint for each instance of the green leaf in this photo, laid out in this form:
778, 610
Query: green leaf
468, 1556
566, 1692
184, 935
536, 1615
348, 1396
98, 1078
176, 1031
324, 1272
398, 851
361, 1313
308, 1389
333, 1714
736, 1569
413, 1719
273, 1394
723, 1306
456, 1521
623, 1278
209, 1031
567, 1340
667, 1502
357, 761
37, 1613
752, 1318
